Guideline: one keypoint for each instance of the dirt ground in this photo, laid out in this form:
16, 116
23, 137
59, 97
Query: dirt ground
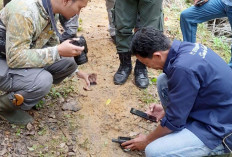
105, 112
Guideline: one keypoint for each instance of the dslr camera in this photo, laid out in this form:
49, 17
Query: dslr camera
82, 58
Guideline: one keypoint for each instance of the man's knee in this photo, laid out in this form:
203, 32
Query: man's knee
186, 14
152, 151
72, 65
41, 85
44, 86
162, 81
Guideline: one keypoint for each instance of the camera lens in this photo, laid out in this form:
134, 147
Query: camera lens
81, 59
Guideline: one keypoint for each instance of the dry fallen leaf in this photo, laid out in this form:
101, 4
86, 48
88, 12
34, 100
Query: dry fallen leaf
108, 101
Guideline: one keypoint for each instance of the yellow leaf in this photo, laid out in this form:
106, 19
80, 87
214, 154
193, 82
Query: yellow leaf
108, 101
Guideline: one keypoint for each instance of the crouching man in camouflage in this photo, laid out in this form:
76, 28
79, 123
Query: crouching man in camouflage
34, 59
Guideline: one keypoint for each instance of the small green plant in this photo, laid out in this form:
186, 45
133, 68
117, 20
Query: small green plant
33, 148
79, 29
153, 80
148, 98
80, 21
42, 132
222, 47
18, 132
40, 104
63, 90
54, 93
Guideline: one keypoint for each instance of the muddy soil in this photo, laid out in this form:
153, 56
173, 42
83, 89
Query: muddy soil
105, 112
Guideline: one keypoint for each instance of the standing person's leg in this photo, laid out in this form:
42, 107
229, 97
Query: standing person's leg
125, 19
229, 15
151, 15
109, 6
190, 17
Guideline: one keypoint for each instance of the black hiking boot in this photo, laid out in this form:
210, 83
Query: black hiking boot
124, 69
12, 113
141, 78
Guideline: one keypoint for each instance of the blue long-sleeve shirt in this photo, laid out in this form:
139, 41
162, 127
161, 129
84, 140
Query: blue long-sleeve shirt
200, 92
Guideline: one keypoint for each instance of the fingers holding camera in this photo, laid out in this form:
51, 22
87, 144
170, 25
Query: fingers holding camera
67, 49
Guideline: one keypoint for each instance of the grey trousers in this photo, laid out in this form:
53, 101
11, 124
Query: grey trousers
34, 83
109, 6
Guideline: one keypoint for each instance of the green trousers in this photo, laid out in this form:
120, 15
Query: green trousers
125, 16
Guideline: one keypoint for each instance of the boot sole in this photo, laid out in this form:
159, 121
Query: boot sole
121, 83
141, 87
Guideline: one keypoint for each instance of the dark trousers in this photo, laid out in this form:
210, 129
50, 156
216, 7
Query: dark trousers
125, 17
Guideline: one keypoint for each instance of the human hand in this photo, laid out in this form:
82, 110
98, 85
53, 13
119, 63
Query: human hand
90, 79
138, 143
156, 110
66, 49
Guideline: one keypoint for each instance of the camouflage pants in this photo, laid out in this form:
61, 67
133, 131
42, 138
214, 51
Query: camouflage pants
34, 83
125, 18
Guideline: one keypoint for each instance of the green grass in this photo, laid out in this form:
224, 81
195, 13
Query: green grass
204, 36
64, 89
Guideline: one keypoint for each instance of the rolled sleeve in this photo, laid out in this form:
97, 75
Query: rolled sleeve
169, 125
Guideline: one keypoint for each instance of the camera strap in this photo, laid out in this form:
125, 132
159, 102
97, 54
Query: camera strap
48, 7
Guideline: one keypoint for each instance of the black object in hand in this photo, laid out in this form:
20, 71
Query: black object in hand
143, 115
82, 58
200, 3
121, 139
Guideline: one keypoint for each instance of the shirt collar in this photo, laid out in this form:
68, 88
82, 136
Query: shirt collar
172, 53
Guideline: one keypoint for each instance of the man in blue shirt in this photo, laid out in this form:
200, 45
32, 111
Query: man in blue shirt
195, 92
190, 17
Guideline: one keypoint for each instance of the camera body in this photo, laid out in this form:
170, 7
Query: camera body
82, 58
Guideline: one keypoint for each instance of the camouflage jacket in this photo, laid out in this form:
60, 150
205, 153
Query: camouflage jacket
30, 40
